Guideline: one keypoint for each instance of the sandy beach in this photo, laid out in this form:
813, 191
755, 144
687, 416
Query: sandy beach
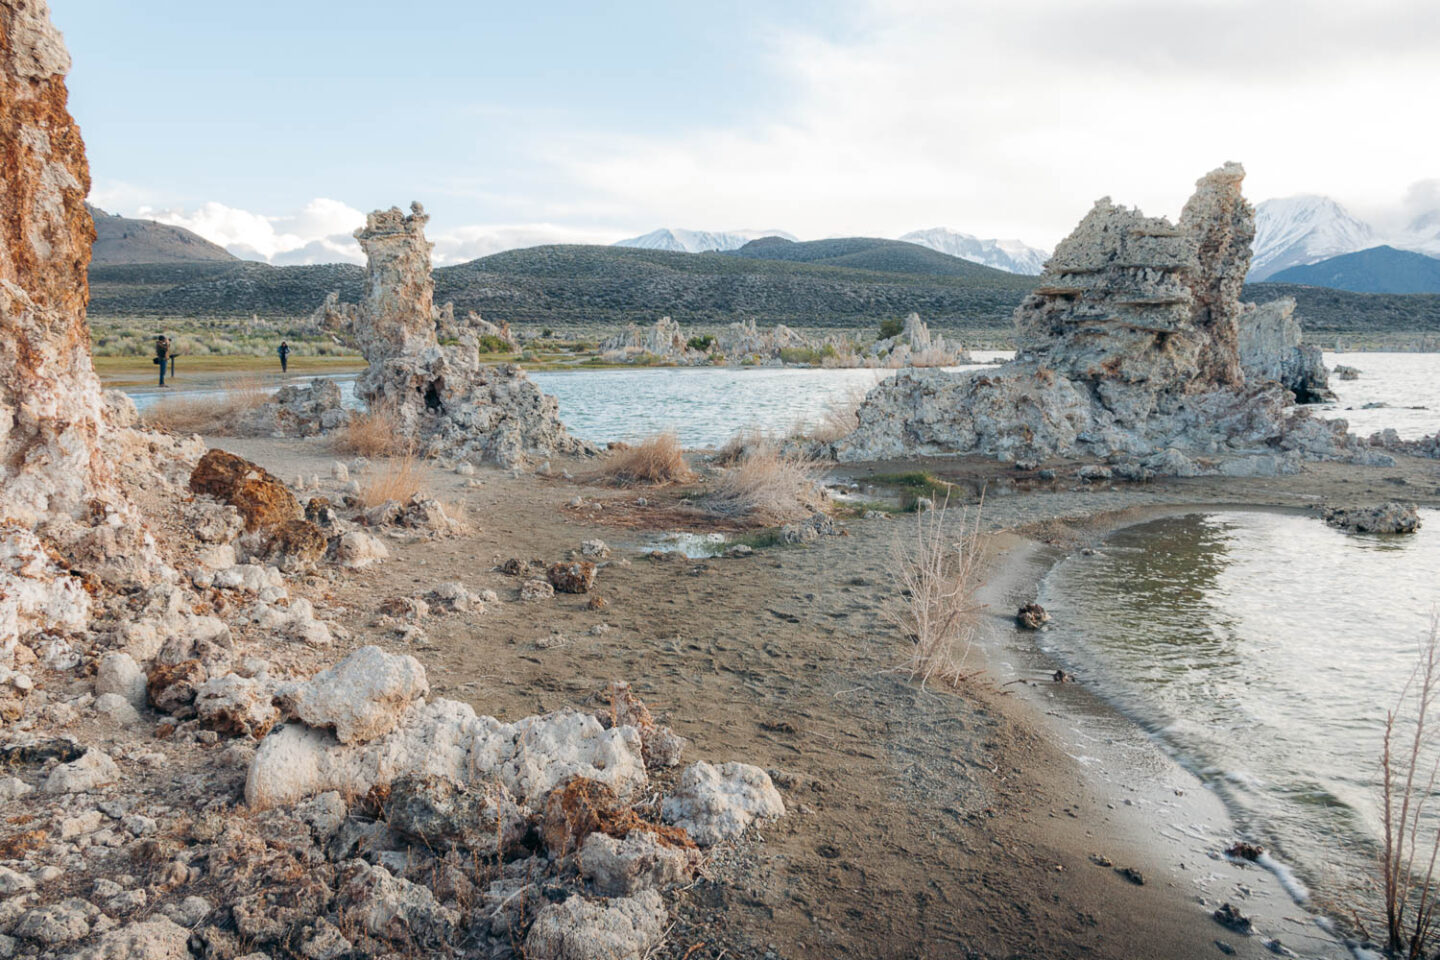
993, 819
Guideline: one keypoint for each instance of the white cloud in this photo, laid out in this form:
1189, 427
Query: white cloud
1010, 119
320, 232
323, 232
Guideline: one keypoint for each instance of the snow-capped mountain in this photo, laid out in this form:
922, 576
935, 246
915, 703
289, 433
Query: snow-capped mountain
1011, 256
698, 241
1305, 229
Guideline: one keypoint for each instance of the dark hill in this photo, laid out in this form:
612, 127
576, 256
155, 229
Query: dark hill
610, 286
124, 240
1377, 270
866, 253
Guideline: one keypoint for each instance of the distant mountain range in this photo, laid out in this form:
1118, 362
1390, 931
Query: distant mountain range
1380, 269
1012, 256
123, 240
698, 241
1307, 229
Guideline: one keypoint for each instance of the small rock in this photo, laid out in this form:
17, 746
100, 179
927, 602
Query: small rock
536, 590
572, 576
1032, 616
93, 770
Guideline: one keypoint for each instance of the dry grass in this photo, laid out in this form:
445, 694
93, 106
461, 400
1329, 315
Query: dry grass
215, 414
840, 418
396, 478
741, 443
938, 578
655, 460
1409, 766
372, 433
768, 487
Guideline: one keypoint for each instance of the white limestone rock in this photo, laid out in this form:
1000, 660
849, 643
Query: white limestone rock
361, 698
119, 674
157, 938
627, 928
358, 549
91, 771
622, 868
715, 803
444, 738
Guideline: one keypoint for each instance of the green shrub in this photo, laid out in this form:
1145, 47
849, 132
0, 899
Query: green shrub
703, 343
489, 343
891, 328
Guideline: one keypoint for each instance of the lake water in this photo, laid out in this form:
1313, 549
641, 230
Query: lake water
1263, 651
708, 405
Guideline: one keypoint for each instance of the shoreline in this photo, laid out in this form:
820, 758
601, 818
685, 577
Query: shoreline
924, 822
1155, 805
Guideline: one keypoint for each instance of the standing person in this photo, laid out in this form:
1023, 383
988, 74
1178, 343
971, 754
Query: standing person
162, 354
284, 351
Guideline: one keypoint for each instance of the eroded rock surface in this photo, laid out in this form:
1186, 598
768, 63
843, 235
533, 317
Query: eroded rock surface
1129, 345
442, 396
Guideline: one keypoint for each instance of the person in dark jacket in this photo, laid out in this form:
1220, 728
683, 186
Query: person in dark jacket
162, 354
284, 351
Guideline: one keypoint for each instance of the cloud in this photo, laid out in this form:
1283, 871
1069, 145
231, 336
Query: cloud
1010, 119
323, 232
320, 232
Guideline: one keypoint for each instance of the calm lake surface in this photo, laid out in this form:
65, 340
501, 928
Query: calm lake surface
708, 405
1263, 651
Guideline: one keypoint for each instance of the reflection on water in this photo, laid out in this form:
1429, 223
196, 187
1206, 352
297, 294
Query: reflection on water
1264, 650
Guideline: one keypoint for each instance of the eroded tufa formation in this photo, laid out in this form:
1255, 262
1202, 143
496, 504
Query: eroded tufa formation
442, 395
1130, 346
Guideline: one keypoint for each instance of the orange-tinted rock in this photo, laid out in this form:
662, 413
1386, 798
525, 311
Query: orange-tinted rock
294, 545
262, 498
51, 411
572, 576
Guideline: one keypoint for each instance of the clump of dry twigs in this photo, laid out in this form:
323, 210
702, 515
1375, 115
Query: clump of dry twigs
767, 486
372, 433
215, 414
939, 571
396, 478
1409, 766
655, 460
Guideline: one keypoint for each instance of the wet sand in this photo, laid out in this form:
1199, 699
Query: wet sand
923, 823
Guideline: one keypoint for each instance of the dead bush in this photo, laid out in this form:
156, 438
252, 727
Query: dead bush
1409, 766
938, 573
217, 414
396, 478
372, 433
768, 487
655, 460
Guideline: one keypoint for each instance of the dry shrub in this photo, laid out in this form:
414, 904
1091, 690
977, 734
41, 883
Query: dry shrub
840, 418
654, 460
372, 433
768, 487
741, 444
938, 578
212, 414
397, 478
1409, 766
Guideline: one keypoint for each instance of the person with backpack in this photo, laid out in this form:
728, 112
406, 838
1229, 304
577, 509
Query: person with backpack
162, 354
284, 351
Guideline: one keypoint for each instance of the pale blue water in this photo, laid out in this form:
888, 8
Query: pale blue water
1263, 650
708, 405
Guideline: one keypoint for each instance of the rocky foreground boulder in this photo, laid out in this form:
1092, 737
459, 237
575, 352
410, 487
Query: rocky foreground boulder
1129, 346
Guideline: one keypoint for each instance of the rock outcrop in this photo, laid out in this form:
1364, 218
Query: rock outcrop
914, 346
1129, 346
1270, 349
665, 340
442, 396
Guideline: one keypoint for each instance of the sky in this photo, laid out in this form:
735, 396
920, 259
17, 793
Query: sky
270, 127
